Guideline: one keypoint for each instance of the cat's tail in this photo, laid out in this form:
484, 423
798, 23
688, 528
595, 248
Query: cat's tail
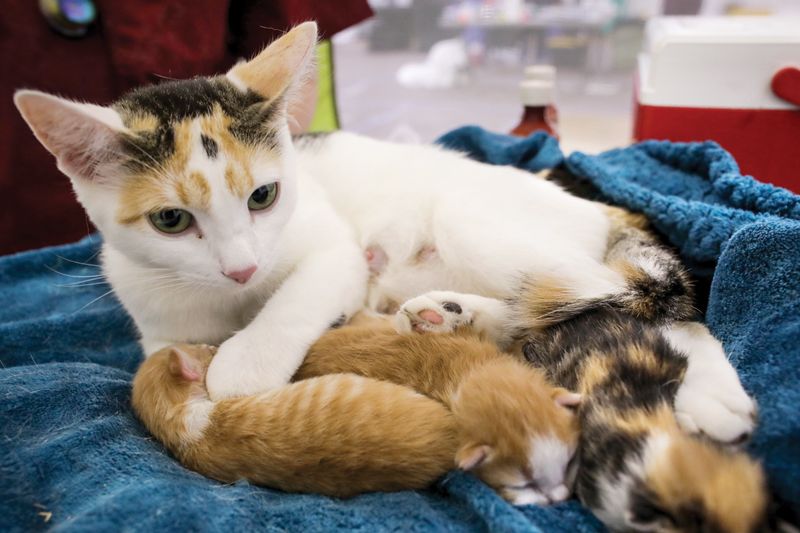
656, 287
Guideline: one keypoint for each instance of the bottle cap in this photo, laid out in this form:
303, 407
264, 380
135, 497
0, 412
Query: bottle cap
540, 72
536, 93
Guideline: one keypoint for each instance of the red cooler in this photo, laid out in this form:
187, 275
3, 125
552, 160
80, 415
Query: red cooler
734, 80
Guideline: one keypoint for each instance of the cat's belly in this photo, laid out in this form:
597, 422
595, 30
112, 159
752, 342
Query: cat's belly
489, 244
491, 226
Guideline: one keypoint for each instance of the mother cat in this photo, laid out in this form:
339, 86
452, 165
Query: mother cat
219, 230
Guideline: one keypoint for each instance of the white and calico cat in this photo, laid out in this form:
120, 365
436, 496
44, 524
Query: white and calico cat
219, 230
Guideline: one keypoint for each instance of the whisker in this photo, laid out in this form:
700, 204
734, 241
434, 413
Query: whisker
78, 262
48, 267
93, 301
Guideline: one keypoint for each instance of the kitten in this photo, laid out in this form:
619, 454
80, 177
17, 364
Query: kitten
338, 435
637, 468
516, 431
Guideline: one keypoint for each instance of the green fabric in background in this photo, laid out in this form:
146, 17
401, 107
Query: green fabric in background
326, 117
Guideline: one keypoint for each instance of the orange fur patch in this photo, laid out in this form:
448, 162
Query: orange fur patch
621, 218
594, 372
730, 487
141, 123
640, 421
194, 191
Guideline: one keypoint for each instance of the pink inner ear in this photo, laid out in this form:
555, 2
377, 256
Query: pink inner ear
184, 365
569, 399
472, 457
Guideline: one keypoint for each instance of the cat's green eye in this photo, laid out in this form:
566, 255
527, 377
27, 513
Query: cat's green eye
263, 197
171, 220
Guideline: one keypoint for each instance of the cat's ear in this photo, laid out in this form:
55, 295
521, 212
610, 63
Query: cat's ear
82, 137
471, 456
566, 398
280, 66
183, 365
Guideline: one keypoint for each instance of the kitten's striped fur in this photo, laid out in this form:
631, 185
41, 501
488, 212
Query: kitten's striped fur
339, 433
514, 429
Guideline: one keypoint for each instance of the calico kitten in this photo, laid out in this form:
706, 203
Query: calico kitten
516, 431
637, 468
338, 434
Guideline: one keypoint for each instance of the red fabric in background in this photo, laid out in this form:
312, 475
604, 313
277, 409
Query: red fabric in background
134, 42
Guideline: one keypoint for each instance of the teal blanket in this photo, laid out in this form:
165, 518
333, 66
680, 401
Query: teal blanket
73, 457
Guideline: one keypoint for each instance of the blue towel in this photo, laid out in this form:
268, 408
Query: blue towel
72, 456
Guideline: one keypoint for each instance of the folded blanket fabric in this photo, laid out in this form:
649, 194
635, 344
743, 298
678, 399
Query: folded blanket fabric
72, 456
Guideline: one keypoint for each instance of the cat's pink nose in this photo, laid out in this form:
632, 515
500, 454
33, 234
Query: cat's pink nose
241, 276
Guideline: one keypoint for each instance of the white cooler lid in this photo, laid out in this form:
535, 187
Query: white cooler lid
716, 62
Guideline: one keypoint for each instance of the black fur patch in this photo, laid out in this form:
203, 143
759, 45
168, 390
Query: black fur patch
210, 146
341, 321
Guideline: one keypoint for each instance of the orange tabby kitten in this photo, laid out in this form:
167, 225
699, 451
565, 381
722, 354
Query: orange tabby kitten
341, 434
338, 434
515, 430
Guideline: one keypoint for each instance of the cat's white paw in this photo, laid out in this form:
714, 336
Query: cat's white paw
434, 312
237, 370
716, 404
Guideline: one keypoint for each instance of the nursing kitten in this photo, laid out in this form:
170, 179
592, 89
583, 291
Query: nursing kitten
515, 429
637, 468
338, 435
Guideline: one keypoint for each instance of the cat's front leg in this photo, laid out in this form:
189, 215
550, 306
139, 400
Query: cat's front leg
711, 399
446, 311
266, 354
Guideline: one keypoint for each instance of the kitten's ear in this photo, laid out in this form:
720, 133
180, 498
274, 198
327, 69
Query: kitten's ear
566, 398
471, 456
280, 65
83, 137
183, 365
645, 515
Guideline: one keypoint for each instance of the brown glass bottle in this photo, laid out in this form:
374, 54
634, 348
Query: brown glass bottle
536, 94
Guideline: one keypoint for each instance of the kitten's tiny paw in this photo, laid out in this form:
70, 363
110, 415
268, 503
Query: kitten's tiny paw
718, 408
432, 312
